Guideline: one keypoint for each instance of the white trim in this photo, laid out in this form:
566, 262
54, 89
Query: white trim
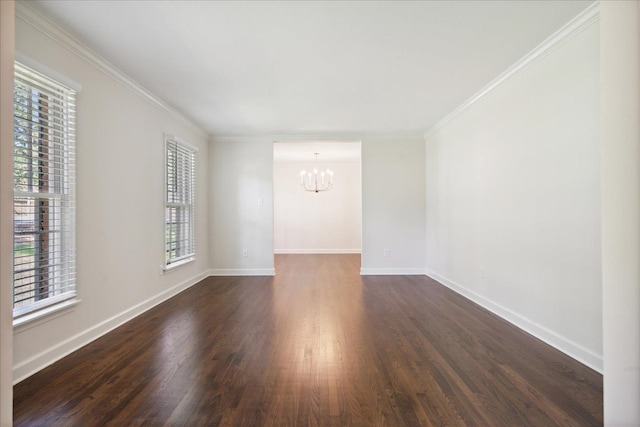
316, 251
59, 35
557, 39
565, 345
392, 271
177, 264
56, 352
42, 315
242, 272
172, 137
321, 137
46, 71
41, 308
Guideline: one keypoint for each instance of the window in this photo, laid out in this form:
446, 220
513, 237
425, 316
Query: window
44, 271
180, 182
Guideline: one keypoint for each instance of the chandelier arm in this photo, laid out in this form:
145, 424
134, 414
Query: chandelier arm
309, 181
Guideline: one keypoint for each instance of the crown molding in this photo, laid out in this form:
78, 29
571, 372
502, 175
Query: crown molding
55, 32
557, 39
321, 137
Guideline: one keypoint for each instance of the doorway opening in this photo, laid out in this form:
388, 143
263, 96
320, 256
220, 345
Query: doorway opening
323, 222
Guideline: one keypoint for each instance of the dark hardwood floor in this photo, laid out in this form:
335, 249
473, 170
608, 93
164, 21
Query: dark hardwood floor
315, 345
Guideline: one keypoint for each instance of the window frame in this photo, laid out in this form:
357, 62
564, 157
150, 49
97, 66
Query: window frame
186, 209
59, 207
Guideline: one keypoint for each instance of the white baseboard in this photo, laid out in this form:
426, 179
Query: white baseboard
570, 348
54, 353
242, 272
392, 271
316, 251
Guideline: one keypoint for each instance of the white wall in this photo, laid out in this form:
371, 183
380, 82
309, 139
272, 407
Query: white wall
7, 22
513, 200
120, 206
241, 207
620, 142
393, 205
325, 222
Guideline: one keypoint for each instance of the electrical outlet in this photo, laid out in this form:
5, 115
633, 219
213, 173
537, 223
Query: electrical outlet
386, 252
245, 253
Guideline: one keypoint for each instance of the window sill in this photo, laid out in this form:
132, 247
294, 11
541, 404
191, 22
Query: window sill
38, 317
177, 265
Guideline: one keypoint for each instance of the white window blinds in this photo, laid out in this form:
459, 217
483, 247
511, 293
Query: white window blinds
180, 193
44, 271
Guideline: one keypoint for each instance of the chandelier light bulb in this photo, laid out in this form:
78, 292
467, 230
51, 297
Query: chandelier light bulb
312, 183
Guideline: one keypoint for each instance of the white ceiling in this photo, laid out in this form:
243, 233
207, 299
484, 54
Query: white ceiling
258, 68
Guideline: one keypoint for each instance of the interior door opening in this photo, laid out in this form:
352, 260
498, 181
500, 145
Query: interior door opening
323, 222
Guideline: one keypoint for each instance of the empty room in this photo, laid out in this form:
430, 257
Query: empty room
332, 213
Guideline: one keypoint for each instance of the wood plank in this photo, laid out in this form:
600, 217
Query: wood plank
316, 345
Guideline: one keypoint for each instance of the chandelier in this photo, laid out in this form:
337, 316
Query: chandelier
316, 181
